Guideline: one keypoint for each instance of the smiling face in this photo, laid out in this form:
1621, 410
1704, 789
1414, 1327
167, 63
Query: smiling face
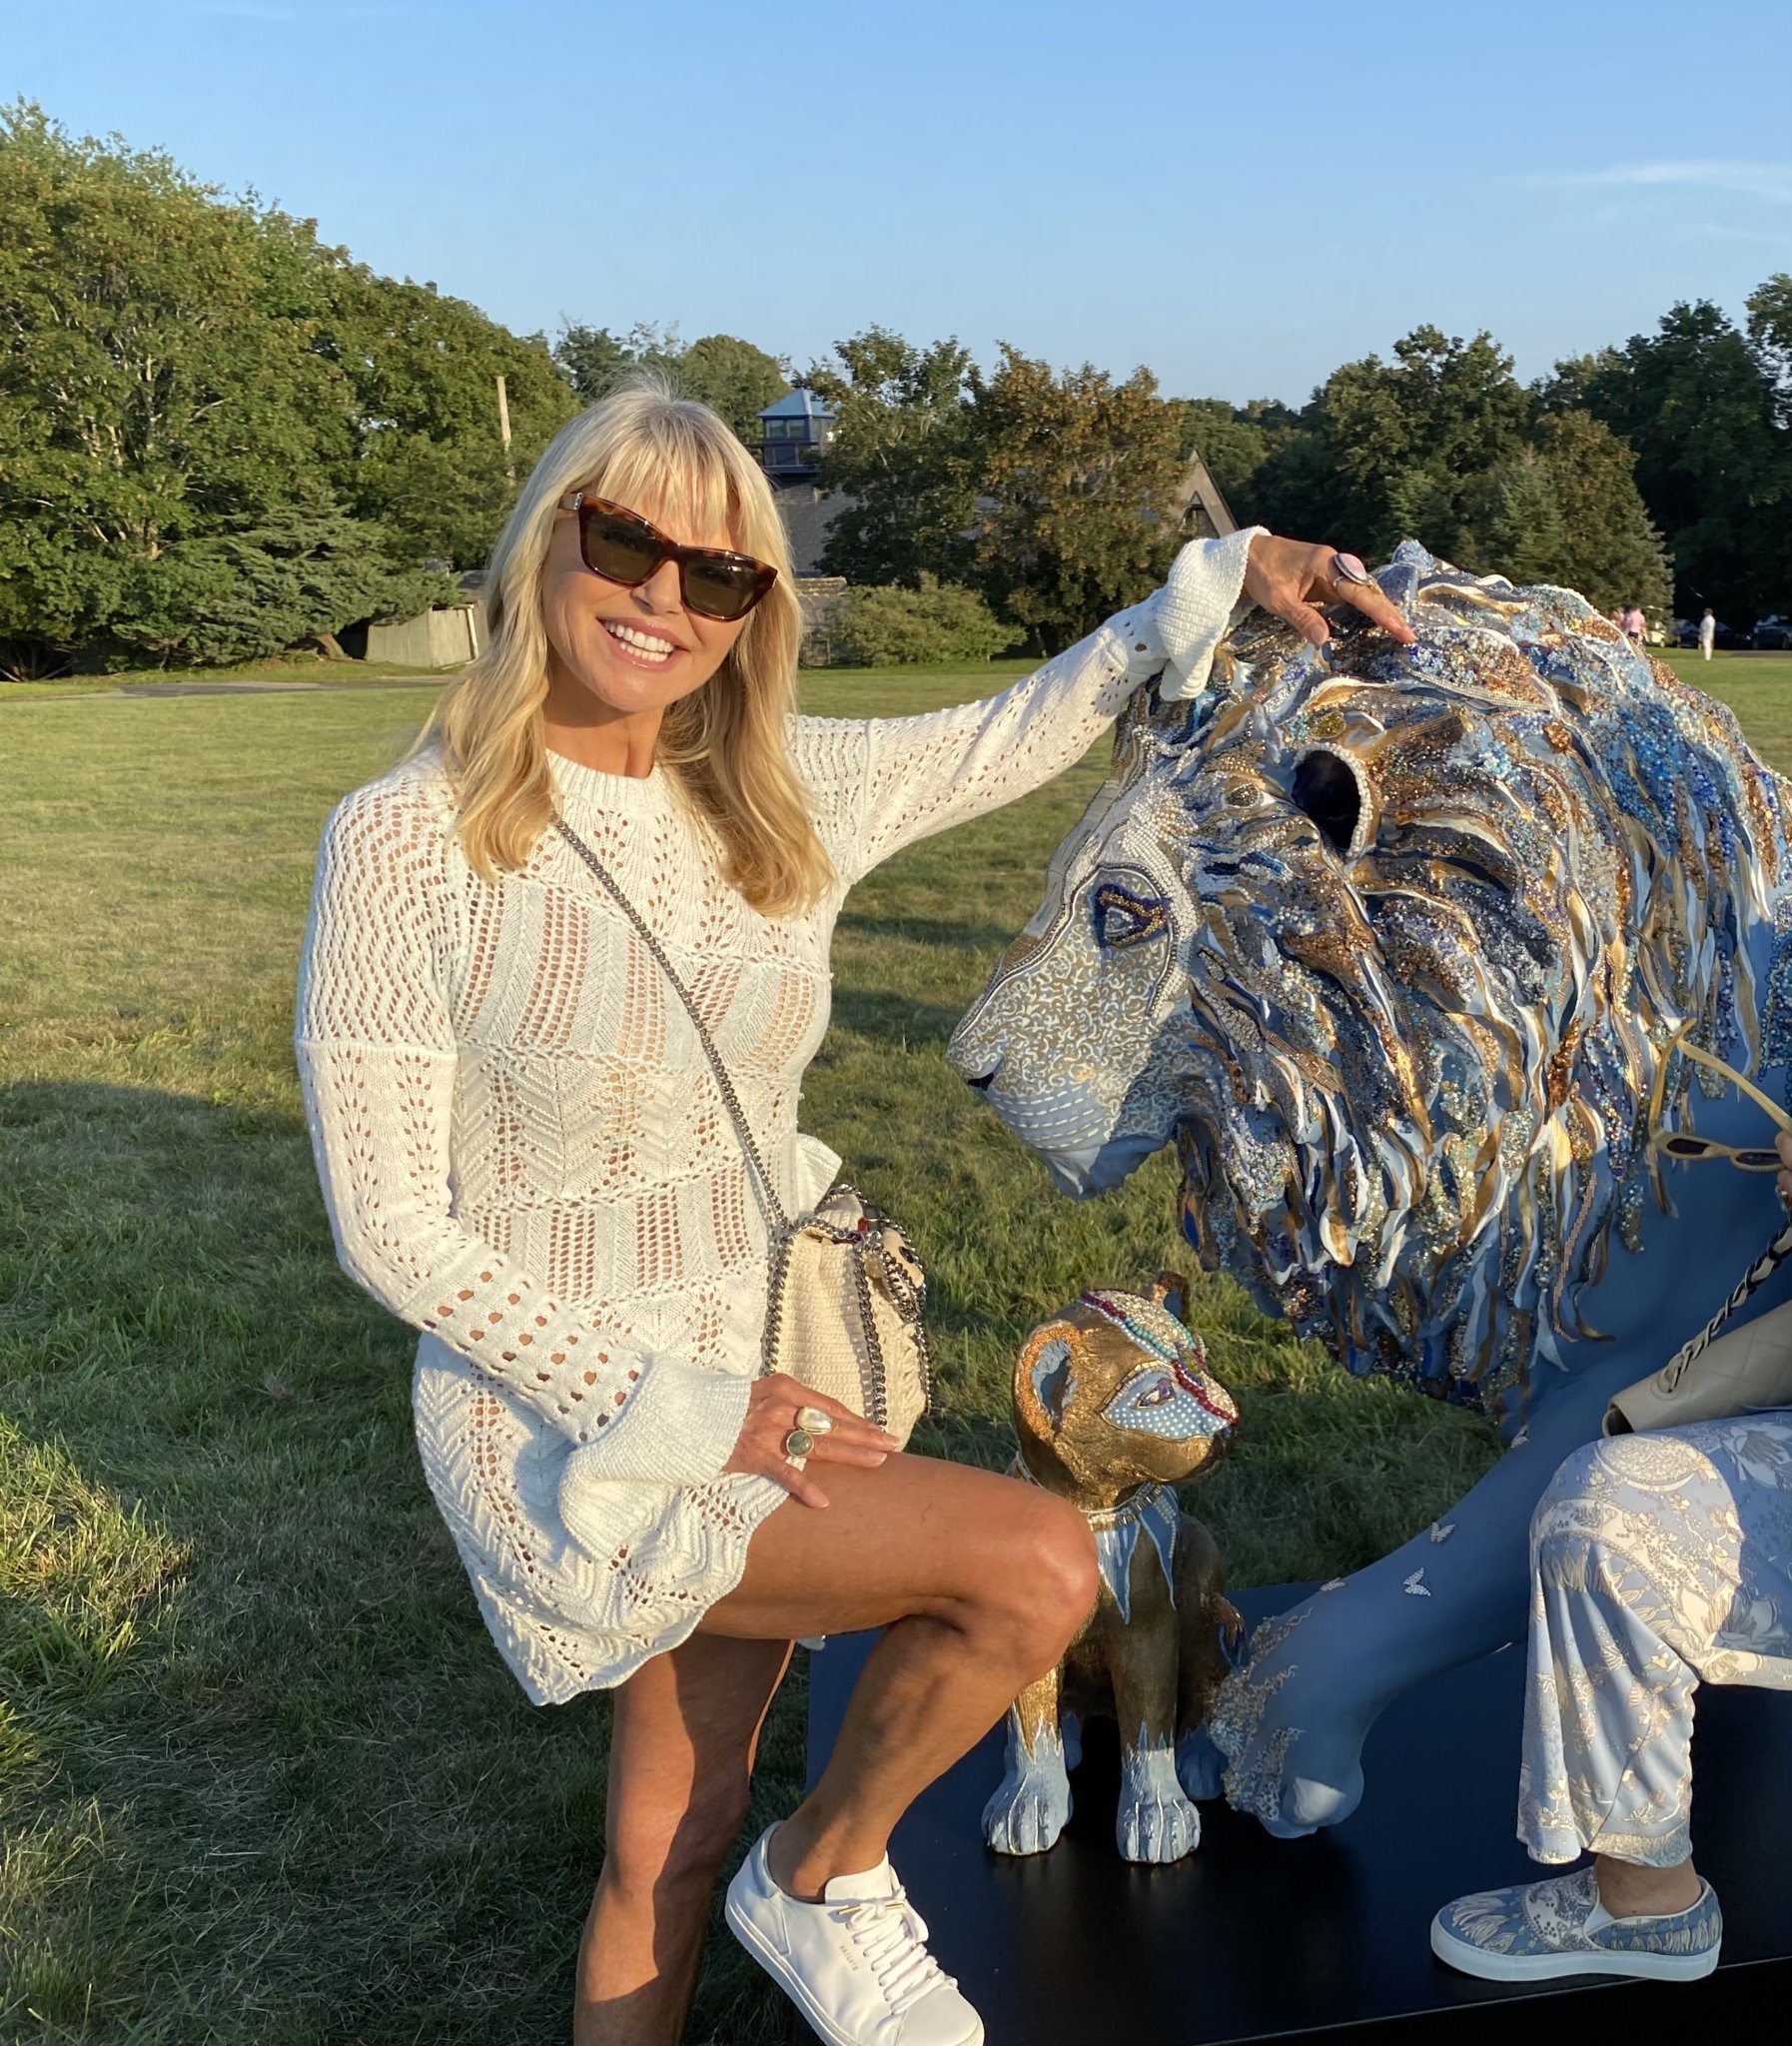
615, 654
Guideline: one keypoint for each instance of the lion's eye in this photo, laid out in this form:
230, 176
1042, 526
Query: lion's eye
1123, 918
1157, 1394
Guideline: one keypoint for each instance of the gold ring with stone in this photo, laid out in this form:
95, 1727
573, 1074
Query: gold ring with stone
797, 1446
816, 1420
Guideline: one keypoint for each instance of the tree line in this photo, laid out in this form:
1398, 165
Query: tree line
222, 437
1658, 473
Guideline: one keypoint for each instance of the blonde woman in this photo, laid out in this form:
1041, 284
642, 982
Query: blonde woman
524, 1156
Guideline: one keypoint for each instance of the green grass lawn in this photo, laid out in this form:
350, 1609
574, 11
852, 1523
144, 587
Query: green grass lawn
262, 1778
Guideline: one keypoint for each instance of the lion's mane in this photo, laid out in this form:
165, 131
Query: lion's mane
1427, 1015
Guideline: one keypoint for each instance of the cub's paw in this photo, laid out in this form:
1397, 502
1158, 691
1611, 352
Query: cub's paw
1028, 1812
1155, 1821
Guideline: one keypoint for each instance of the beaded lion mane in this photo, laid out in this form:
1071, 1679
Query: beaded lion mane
1393, 942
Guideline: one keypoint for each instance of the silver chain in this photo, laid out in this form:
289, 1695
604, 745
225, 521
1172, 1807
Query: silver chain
903, 1291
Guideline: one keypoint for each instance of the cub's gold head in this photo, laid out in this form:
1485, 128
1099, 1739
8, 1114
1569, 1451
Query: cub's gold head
1114, 1392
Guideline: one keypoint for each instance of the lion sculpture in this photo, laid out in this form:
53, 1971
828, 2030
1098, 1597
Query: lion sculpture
1114, 1407
1391, 943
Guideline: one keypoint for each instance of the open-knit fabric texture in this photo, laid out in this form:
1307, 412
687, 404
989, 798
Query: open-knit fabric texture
524, 1154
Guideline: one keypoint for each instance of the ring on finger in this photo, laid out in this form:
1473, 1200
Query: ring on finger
815, 1419
1348, 569
798, 1445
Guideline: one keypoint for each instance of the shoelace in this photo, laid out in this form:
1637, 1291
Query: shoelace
904, 1970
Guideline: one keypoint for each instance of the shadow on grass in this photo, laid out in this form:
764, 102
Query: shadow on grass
892, 1017
264, 1774
950, 936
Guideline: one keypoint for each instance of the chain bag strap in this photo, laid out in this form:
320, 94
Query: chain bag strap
843, 1221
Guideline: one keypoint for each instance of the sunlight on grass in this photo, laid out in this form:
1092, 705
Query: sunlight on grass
261, 1775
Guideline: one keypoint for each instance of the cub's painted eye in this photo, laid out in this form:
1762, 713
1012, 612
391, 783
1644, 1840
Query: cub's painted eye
1123, 918
1156, 1394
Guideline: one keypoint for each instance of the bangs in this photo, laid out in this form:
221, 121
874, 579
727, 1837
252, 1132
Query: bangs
672, 476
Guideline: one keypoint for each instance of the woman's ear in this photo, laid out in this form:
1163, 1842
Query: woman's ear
1045, 1376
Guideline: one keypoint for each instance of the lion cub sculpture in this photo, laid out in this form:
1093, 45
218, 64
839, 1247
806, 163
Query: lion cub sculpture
1112, 1406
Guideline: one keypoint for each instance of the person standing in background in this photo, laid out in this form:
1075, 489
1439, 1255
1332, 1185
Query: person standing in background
1707, 632
1635, 625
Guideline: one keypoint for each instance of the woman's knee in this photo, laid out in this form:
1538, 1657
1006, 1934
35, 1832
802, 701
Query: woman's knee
1047, 1584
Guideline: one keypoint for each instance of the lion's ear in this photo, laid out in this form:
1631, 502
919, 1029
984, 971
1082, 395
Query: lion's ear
1170, 1290
1045, 1376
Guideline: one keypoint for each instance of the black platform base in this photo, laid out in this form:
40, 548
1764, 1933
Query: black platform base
1254, 1938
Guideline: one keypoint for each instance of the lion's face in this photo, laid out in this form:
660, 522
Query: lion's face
1380, 943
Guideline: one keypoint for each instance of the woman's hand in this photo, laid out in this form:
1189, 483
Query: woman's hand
1783, 1145
771, 1416
1289, 576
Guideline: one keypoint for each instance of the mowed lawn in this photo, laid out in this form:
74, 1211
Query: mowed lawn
262, 1778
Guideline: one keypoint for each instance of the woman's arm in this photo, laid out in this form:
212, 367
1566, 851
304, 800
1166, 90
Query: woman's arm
889, 781
377, 1058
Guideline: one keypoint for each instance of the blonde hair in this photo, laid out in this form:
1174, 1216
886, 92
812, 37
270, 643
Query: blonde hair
726, 745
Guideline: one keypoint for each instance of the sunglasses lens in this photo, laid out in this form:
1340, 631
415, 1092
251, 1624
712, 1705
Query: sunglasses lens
1685, 1147
721, 589
1758, 1161
617, 548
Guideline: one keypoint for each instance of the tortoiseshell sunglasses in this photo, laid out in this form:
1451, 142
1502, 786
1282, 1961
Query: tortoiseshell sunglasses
622, 546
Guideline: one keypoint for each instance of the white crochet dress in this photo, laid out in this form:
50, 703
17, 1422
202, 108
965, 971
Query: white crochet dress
523, 1153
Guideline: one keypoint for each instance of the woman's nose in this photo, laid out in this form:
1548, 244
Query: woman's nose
660, 591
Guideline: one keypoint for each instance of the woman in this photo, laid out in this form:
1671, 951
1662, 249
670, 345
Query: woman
523, 1155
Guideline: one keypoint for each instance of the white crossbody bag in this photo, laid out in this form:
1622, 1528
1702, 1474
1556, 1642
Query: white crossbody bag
846, 1294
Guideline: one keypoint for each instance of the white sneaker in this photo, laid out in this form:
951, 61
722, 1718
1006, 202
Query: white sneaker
856, 1965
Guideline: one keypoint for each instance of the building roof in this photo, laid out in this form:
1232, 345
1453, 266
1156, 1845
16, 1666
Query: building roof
798, 405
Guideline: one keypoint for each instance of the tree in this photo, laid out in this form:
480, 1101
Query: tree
731, 376
893, 626
903, 460
1700, 405
170, 435
1077, 473
1235, 440
427, 460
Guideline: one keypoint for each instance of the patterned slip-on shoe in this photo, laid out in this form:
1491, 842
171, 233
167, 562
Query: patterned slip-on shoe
1560, 1927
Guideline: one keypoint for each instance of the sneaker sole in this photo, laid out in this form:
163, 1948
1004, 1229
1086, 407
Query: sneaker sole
793, 1984
1474, 1960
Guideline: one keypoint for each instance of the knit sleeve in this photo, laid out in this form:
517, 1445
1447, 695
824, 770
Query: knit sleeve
377, 1060
884, 783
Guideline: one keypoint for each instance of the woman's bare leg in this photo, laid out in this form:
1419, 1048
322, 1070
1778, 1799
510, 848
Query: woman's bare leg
980, 1581
681, 1755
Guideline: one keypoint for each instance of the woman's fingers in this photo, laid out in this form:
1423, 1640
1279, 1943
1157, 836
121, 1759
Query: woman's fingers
1289, 576
800, 1485
1367, 597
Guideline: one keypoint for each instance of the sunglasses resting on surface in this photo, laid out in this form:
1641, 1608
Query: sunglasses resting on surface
1687, 1144
622, 546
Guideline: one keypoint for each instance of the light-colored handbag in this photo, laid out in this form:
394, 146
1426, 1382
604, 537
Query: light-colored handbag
1714, 1377
846, 1294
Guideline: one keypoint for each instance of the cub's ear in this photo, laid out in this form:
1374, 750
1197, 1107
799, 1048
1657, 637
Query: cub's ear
1170, 1290
1045, 1377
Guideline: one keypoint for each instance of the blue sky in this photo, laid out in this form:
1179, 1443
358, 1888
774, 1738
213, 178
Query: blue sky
1241, 196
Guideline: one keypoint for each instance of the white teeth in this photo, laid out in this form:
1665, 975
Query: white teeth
638, 642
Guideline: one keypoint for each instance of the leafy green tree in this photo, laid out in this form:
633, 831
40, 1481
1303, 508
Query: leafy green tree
170, 434
731, 376
1700, 403
427, 460
902, 461
1235, 440
1075, 473
892, 626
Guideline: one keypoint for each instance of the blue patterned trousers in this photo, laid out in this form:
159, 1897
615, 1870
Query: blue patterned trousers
1657, 1561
